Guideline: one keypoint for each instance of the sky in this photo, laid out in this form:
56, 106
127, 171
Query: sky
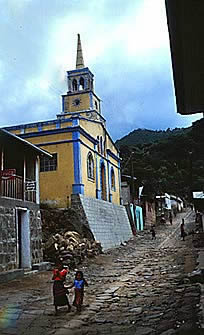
125, 45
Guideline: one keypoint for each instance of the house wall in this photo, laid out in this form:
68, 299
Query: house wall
150, 214
9, 254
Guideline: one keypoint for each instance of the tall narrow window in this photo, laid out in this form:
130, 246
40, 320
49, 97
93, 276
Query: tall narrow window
74, 85
98, 145
90, 166
101, 145
48, 164
112, 180
81, 84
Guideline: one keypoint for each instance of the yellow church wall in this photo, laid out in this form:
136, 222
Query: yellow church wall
84, 102
89, 185
56, 186
50, 138
93, 128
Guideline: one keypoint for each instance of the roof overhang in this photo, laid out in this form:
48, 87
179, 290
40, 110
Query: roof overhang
4, 135
185, 24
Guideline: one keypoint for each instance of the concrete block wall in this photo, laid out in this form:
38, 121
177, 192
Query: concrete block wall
108, 222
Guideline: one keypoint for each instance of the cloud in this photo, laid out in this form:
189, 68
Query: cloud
126, 46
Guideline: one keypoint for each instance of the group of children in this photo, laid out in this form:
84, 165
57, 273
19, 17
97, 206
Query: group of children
60, 291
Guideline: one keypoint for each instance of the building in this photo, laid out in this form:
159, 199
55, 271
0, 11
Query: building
20, 220
84, 171
185, 24
85, 159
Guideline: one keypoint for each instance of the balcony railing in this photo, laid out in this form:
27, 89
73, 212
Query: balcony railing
14, 187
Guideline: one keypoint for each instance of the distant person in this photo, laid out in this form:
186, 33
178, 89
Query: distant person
59, 291
162, 220
152, 230
183, 233
170, 218
78, 285
175, 212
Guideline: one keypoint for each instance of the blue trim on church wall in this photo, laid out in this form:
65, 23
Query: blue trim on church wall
40, 127
77, 187
61, 130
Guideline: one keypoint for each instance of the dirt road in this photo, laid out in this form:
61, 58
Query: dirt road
141, 288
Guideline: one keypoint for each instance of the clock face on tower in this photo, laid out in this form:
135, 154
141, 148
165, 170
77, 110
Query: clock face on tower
76, 102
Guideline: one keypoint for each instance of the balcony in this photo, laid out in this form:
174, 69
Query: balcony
13, 187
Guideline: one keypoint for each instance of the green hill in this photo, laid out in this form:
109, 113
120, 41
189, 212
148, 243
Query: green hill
143, 136
169, 161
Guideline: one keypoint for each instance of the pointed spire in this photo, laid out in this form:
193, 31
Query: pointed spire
79, 58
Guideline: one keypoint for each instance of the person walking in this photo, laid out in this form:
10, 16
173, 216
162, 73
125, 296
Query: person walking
152, 230
59, 290
170, 218
183, 233
78, 285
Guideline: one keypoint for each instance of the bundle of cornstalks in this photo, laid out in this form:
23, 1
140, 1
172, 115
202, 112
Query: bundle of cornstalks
71, 248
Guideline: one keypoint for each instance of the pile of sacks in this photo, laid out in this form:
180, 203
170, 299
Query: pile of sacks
71, 248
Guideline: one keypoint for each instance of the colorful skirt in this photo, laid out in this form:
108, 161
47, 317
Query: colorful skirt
60, 294
79, 295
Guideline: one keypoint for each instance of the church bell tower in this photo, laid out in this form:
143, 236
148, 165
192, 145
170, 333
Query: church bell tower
80, 95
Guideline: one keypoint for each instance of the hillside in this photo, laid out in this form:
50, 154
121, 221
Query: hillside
173, 163
143, 136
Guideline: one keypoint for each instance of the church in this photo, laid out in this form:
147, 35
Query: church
84, 159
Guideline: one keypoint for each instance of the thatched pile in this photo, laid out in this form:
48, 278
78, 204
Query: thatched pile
70, 247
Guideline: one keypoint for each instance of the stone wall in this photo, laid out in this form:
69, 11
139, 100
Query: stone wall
36, 236
7, 239
108, 222
8, 236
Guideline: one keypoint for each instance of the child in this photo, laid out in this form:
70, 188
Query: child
59, 291
78, 285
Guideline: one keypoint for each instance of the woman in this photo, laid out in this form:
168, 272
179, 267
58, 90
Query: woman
59, 291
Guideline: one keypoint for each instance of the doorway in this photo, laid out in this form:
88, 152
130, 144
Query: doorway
103, 182
23, 238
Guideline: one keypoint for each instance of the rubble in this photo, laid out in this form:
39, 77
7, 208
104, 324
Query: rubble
71, 248
65, 238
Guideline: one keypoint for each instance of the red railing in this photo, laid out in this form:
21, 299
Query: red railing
13, 187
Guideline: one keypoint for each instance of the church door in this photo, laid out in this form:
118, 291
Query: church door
103, 182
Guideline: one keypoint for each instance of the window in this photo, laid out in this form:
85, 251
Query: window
112, 180
98, 145
74, 85
90, 166
101, 145
81, 84
96, 105
48, 164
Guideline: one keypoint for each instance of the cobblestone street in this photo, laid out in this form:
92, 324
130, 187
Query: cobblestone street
140, 288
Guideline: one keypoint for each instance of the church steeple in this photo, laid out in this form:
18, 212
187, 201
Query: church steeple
80, 95
79, 58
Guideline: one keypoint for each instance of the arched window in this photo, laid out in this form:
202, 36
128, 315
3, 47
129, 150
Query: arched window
96, 105
81, 84
112, 179
98, 145
101, 145
74, 85
90, 166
